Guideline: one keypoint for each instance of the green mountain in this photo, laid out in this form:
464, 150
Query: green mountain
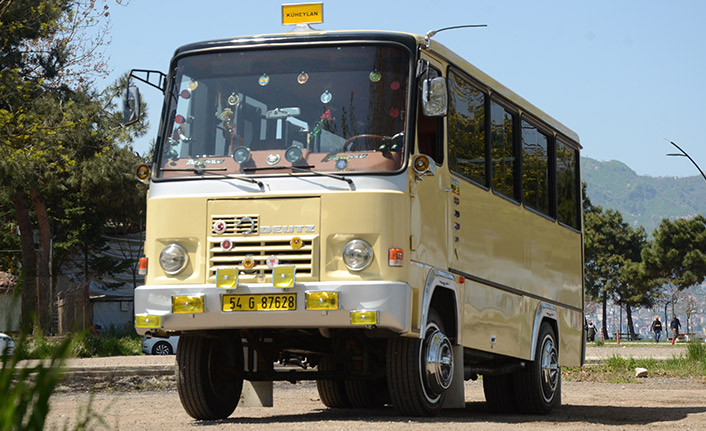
643, 200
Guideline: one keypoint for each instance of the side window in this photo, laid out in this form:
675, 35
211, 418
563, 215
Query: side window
430, 130
466, 129
567, 185
535, 168
502, 151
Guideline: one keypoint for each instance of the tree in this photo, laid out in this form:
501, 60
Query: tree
51, 134
613, 263
677, 255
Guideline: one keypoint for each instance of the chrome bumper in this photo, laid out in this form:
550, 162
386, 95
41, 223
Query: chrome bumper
392, 301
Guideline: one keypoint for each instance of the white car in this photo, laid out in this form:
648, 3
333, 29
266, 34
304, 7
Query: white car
160, 346
7, 345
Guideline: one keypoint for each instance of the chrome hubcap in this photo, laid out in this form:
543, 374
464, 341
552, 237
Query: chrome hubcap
550, 368
438, 361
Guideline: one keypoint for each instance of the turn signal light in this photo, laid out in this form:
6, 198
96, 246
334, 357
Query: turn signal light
148, 321
322, 300
187, 304
143, 172
395, 257
364, 317
142, 268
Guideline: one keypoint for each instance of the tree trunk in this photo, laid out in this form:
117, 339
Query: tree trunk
605, 315
29, 262
43, 268
631, 325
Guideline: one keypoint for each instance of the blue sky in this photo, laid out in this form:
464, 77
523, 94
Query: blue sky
624, 75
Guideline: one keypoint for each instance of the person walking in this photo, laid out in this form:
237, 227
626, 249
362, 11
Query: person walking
656, 328
674, 327
591, 331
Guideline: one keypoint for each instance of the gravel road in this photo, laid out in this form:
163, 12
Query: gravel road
654, 403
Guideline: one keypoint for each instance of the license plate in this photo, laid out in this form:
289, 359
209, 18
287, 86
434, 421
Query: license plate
286, 301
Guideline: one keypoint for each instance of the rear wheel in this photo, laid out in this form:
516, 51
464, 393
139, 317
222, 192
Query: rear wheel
209, 375
499, 393
332, 392
420, 371
366, 394
539, 384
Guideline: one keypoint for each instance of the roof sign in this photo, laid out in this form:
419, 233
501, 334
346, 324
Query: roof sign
302, 13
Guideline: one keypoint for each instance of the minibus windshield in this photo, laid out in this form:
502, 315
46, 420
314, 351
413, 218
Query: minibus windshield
336, 109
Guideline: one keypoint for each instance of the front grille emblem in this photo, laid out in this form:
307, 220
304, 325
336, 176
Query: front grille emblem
247, 220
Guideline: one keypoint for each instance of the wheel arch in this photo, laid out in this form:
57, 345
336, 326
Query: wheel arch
441, 294
545, 312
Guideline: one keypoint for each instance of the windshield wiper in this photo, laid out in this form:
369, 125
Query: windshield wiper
201, 171
305, 168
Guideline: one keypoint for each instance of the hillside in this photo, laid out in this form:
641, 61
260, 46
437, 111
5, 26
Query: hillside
643, 200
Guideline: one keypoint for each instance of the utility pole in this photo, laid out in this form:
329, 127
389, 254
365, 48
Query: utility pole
683, 153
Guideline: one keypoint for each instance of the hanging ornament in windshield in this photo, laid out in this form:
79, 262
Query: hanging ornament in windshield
326, 97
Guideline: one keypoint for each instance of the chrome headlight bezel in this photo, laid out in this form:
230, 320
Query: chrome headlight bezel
173, 259
357, 255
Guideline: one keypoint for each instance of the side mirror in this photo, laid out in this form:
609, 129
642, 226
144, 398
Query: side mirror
131, 105
435, 100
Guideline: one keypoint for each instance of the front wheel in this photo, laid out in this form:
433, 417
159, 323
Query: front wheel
209, 375
420, 371
539, 384
162, 348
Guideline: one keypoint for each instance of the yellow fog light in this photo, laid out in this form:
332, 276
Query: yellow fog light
227, 278
187, 304
148, 321
364, 317
283, 276
322, 300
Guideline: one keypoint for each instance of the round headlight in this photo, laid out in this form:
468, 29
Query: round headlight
172, 259
357, 255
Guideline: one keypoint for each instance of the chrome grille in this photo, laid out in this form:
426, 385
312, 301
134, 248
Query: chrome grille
248, 223
260, 249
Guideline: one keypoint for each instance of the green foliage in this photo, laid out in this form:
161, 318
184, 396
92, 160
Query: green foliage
697, 352
678, 252
25, 392
114, 342
619, 369
65, 161
612, 258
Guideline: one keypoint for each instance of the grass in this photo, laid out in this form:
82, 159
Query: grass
618, 369
25, 391
113, 342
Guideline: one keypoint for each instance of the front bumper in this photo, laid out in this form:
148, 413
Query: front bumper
392, 301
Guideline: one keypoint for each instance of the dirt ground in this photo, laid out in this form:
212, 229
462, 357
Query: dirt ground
653, 404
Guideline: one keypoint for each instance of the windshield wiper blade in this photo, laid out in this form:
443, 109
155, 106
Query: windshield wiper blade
305, 168
201, 171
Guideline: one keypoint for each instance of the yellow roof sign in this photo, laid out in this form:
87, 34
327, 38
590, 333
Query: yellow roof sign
303, 13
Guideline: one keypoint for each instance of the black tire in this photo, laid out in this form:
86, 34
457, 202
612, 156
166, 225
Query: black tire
539, 384
332, 392
209, 375
162, 348
418, 386
499, 393
366, 394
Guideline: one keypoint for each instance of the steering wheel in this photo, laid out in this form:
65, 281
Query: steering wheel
350, 140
